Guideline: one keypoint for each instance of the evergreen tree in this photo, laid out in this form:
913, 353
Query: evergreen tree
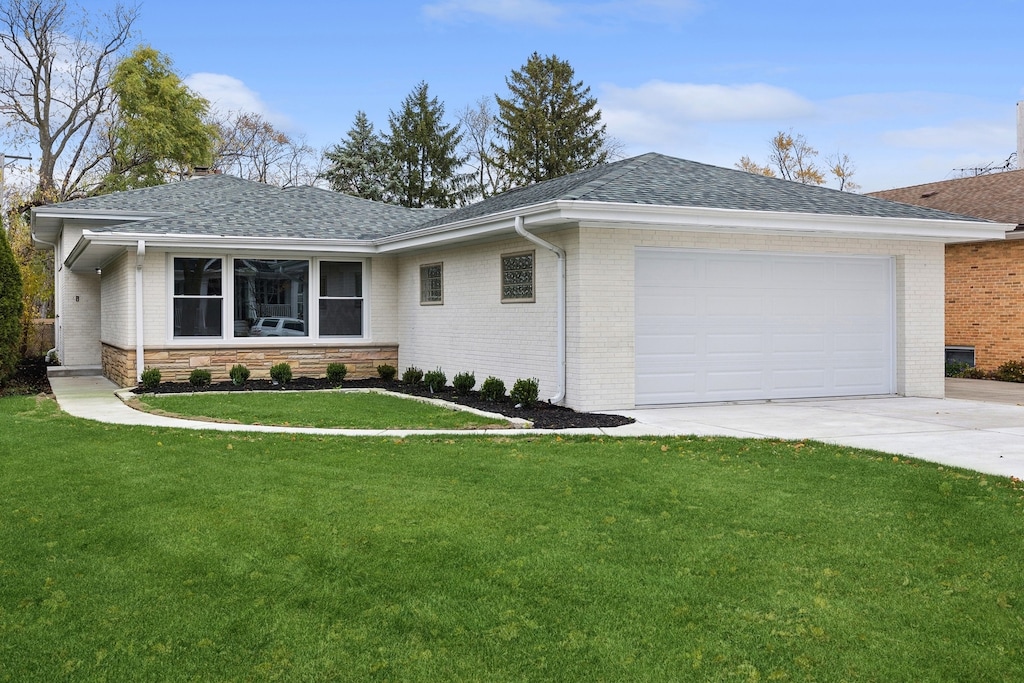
549, 125
424, 150
10, 309
160, 130
359, 165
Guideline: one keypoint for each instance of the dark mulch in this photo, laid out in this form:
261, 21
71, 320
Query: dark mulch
542, 415
29, 379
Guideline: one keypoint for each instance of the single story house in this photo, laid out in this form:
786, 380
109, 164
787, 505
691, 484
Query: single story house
647, 281
984, 280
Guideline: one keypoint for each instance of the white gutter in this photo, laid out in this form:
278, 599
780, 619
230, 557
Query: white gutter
140, 348
560, 351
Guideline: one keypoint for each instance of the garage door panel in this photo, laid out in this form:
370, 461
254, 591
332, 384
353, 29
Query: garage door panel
761, 326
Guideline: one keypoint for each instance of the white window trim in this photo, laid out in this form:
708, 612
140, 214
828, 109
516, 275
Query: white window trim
228, 338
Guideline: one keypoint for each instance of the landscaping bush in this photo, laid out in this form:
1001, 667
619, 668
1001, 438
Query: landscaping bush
973, 373
412, 375
493, 389
10, 309
336, 373
956, 368
524, 392
238, 374
199, 377
150, 378
1010, 371
281, 373
387, 372
435, 380
464, 382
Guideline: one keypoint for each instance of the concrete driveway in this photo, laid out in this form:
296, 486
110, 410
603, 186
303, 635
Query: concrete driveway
979, 435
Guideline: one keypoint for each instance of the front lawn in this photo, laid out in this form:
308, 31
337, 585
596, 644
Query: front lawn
133, 553
357, 410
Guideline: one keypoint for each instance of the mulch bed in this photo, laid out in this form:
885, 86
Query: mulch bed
542, 415
29, 379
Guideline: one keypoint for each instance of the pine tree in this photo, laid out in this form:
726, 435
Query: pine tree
549, 126
10, 309
424, 150
359, 165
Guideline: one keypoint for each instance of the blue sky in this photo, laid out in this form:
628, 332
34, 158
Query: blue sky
910, 90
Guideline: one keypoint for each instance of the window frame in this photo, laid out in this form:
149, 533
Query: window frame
364, 319
532, 253
223, 298
425, 279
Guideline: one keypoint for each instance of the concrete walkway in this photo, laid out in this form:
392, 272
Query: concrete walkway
983, 436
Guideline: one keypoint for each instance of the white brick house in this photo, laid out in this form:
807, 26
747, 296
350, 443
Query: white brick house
648, 281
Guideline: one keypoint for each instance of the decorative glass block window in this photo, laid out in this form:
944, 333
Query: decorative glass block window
198, 297
432, 283
341, 299
517, 277
271, 288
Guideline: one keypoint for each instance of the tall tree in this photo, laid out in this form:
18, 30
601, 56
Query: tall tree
477, 123
549, 125
359, 165
424, 150
792, 157
36, 269
10, 309
160, 130
55, 83
251, 147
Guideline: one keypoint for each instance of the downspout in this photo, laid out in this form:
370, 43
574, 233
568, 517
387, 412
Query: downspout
560, 351
58, 333
140, 349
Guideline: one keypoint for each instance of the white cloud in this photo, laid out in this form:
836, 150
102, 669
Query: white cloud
229, 94
976, 136
550, 14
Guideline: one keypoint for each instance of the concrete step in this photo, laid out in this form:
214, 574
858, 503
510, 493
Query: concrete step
74, 371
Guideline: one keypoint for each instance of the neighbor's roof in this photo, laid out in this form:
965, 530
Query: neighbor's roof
656, 179
995, 197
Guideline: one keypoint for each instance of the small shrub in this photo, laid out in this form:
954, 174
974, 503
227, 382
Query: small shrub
493, 389
956, 368
464, 382
1011, 371
238, 374
524, 392
435, 380
387, 372
973, 373
281, 373
199, 377
336, 373
412, 375
150, 378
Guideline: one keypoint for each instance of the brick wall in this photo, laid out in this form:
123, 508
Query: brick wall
307, 361
985, 300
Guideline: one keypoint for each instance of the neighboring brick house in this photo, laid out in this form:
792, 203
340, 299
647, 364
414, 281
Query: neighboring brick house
648, 281
984, 280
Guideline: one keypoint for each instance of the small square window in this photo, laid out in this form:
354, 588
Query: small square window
517, 277
432, 284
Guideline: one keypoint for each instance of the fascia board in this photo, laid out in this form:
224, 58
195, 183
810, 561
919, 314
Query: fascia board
700, 218
473, 228
233, 244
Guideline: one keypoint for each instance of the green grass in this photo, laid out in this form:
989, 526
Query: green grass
355, 410
131, 553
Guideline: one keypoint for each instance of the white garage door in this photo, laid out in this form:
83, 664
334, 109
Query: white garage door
724, 326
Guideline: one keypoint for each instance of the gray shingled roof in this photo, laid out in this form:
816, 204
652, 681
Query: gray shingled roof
656, 179
227, 206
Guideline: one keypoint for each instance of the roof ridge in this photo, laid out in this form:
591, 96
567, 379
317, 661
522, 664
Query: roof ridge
625, 167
